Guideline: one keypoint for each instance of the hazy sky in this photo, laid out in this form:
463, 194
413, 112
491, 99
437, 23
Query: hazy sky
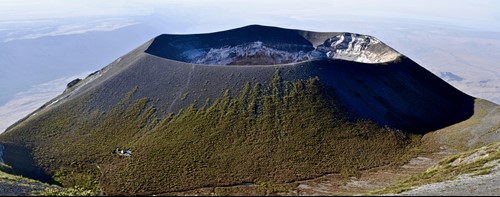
482, 14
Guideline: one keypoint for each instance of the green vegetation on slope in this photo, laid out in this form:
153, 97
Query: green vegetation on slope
13, 185
470, 162
274, 133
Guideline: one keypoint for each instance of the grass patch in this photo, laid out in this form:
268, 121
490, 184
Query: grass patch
485, 171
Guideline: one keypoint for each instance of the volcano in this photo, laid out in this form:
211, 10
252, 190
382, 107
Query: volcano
248, 105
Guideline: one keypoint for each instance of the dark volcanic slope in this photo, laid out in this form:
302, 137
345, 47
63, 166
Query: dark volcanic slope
397, 93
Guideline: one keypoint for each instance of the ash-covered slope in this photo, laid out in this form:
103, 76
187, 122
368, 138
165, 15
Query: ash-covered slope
240, 93
391, 89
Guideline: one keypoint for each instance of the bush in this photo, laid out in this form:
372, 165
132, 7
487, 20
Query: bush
6, 168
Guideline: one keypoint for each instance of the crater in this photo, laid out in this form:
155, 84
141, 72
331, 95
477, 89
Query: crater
259, 45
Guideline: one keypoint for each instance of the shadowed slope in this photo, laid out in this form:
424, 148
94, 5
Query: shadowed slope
398, 94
